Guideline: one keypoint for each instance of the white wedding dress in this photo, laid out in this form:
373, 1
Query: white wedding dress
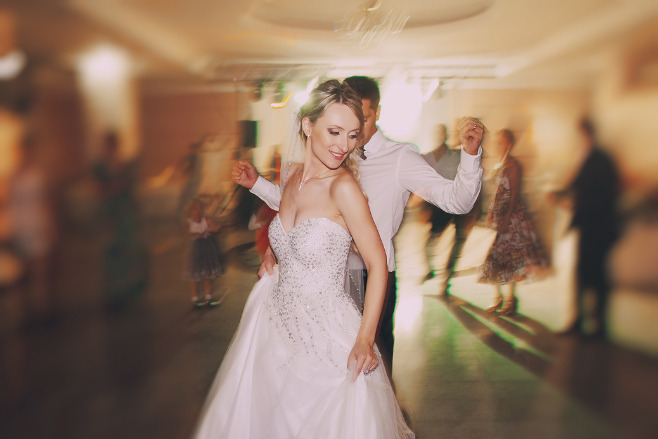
285, 374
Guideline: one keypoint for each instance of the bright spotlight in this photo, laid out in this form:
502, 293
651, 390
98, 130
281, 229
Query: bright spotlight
11, 64
401, 105
104, 64
301, 97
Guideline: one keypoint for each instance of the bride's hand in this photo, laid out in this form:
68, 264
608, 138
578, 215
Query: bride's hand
244, 174
362, 357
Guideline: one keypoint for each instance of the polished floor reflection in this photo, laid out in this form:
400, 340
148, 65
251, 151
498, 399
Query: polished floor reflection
143, 371
465, 373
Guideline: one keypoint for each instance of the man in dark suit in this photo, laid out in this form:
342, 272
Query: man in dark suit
595, 191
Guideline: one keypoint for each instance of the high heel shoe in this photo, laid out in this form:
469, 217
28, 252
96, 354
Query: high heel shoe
495, 305
509, 309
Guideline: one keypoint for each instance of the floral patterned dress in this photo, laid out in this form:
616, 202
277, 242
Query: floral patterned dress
516, 255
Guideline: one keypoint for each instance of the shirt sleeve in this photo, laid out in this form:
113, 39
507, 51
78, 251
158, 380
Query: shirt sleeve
267, 191
453, 196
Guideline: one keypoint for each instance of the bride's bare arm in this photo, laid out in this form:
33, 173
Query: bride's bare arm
353, 207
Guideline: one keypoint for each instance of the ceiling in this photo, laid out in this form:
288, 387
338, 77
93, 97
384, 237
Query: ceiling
490, 43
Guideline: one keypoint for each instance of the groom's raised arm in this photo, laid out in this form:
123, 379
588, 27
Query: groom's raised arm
244, 174
453, 196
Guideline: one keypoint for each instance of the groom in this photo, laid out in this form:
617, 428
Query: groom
390, 172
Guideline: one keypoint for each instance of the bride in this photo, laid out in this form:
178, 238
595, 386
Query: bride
302, 363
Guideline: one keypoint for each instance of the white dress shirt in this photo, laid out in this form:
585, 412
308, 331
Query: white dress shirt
389, 174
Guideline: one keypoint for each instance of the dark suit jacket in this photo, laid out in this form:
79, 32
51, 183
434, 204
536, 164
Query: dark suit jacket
596, 189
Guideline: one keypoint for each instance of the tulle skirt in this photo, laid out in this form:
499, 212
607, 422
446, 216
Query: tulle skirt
202, 260
260, 392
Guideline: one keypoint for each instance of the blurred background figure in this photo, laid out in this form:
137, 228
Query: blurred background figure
33, 234
516, 254
593, 195
190, 168
124, 259
243, 203
18, 291
445, 161
202, 262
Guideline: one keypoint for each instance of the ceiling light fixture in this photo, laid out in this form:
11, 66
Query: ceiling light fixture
282, 103
370, 25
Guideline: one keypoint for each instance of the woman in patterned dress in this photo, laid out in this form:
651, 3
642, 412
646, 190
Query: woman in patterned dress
516, 254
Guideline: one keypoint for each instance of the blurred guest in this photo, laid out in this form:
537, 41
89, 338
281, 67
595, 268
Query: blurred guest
516, 254
244, 204
190, 167
202, 264
125, 255
33, 233
594, 192
445, 161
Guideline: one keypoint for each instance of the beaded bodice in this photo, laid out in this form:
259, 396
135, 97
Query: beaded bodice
309, 302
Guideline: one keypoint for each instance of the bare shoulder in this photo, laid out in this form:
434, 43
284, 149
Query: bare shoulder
344, 181
345, 190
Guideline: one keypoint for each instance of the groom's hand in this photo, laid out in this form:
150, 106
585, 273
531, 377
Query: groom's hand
244, 174
471, 132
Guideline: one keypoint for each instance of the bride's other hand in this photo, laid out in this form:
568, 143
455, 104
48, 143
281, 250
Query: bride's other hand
363, 358
244, 174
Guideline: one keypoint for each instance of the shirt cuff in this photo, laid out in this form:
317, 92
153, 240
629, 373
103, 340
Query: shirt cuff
470, 163
259, 186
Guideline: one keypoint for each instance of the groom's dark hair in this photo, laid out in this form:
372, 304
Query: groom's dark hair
366, 88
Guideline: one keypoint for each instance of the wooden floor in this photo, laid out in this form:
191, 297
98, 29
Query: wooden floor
143, 371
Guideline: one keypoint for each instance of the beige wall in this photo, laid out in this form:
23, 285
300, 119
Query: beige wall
172, 121
58, 123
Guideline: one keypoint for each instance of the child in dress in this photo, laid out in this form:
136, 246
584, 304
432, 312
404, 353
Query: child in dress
202, 263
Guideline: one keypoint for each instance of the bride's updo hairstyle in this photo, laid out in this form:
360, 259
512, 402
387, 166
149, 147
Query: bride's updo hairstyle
325, 94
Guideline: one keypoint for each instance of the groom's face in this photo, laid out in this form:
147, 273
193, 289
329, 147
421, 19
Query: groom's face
370, 117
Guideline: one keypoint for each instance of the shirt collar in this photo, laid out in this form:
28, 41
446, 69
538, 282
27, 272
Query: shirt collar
375, 143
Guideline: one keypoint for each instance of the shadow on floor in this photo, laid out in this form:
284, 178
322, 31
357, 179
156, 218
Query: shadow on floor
617, 384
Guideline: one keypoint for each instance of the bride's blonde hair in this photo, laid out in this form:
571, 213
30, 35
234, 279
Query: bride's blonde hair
325, 94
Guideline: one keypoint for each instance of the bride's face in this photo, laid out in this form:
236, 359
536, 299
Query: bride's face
334, 135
